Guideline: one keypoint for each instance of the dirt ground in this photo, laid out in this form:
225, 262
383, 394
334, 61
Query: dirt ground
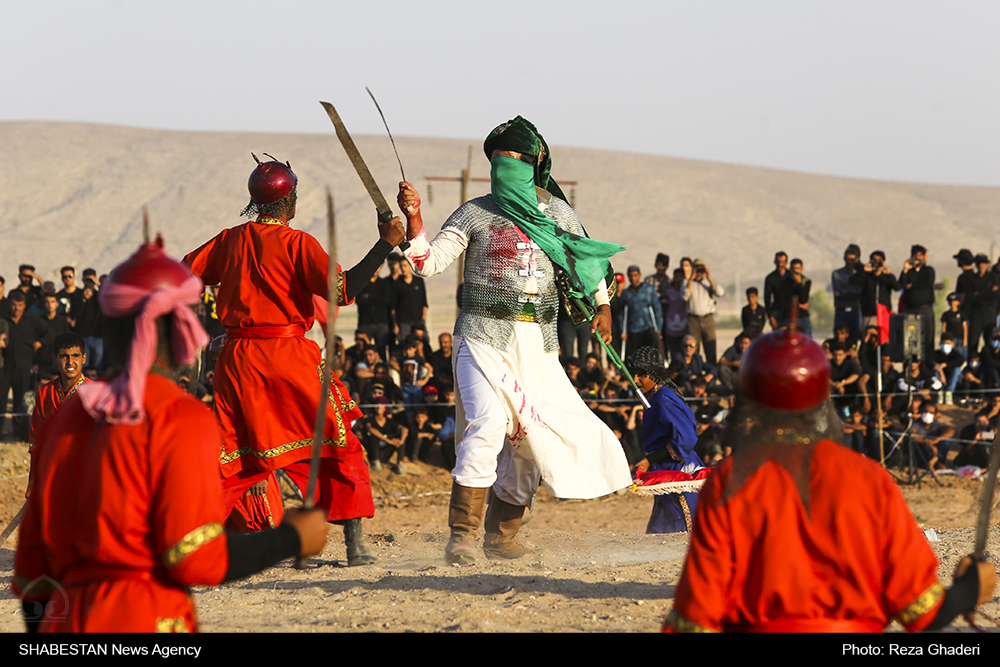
598, 572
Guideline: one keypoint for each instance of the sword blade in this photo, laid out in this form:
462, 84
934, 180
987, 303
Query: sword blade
319, 427
13, 524
384, 212
387, 131
986, 504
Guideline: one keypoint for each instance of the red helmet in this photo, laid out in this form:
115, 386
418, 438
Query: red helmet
787, 371
149, 268
270, 181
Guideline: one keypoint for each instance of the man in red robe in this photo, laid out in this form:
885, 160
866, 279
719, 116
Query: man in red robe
68, 352
267, 378
796, 533
69, 355
126, 511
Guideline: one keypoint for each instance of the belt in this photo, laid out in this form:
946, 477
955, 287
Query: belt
811, 625
270, 331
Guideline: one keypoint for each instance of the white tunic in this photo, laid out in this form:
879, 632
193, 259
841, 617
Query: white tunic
521, 420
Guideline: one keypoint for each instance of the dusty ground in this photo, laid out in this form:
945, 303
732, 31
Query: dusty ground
598, 572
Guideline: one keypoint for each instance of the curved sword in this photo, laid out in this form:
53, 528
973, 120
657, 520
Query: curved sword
384, 212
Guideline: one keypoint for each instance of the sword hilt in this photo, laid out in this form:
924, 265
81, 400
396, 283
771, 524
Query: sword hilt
386, 216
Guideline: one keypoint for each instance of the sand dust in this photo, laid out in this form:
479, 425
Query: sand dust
598, 571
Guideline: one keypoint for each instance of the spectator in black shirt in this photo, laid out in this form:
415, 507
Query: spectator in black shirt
797, 286
375, 311
592, 375
918, 378
955, 322
989, 357
846, 295
976, 442
842, 337
690, 366
90, 279
867, 352
963, 286
24, 338
917, 281
731, 362
877, 284
70, 296
972, 384
356, 353
419, 332
948, 362
754, 315
385, 437
90, 325
409, 300
440, 361
55, 325
985, 302
4, 301
844, 376
890, 381
32, 293
773, 291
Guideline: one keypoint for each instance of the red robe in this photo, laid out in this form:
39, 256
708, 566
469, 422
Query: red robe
760, 562
48, 398
267, 379
123, 519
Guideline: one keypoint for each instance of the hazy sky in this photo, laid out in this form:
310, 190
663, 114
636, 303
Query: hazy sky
901, 90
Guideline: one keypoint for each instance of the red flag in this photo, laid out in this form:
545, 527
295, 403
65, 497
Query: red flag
883, 324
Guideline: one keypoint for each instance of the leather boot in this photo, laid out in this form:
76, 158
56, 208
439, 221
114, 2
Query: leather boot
358, 550
464, 514
503, 520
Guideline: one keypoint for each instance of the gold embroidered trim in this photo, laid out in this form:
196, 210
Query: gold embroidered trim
341, 441
171, 625
72, 390
350, 405
687, 511
923, 604
274, 451
681, 624
341, 294
192, 542
270, 514
267, 220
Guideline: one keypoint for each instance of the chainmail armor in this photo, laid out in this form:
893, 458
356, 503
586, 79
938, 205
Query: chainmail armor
495, 296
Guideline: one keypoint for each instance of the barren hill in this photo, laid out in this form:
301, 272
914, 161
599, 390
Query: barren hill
73, 194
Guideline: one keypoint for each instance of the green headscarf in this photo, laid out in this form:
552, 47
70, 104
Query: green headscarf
520, 136
584, 260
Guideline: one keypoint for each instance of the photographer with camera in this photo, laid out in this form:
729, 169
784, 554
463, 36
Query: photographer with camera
877, 284
701, 293
917, 282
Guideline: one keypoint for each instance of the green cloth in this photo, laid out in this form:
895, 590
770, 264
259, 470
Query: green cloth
584, 260
520, 136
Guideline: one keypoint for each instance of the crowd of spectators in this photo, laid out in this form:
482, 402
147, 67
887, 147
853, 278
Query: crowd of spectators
957, 360
404, 383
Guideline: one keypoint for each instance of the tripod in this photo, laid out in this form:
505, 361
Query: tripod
914, 473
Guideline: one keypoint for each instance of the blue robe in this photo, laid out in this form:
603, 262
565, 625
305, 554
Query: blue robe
670, 424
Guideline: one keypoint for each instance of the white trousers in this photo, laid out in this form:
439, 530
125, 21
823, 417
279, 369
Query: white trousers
521, 422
